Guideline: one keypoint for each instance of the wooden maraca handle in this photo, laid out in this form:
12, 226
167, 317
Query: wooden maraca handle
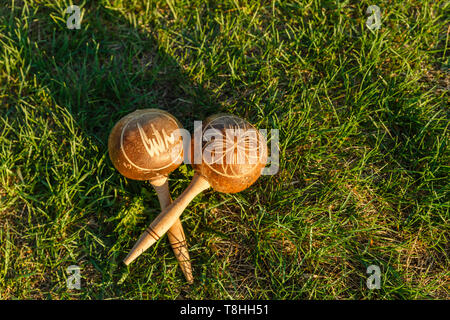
164, 221
177, 238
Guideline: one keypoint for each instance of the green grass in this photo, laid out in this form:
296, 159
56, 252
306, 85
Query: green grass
364, 161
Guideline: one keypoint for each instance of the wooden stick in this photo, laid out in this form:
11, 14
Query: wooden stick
175, 234
167, 218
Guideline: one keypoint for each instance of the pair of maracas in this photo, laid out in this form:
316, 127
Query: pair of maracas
146, 145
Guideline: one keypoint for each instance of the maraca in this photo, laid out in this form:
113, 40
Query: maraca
143, 146
230, 163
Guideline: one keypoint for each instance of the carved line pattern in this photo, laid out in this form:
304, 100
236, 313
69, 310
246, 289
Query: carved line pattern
152, 233
181, 243
158, 144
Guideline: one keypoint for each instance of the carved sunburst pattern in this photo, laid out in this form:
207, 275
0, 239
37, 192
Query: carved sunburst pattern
234, 147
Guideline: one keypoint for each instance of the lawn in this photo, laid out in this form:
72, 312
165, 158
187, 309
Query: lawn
363, 119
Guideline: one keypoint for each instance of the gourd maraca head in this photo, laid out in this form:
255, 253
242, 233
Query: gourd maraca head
143, 144
233, 154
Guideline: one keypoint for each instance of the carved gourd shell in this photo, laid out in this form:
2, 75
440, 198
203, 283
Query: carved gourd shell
143, 144
233, 153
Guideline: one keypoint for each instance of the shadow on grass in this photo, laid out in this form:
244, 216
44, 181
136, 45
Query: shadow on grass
98, 74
